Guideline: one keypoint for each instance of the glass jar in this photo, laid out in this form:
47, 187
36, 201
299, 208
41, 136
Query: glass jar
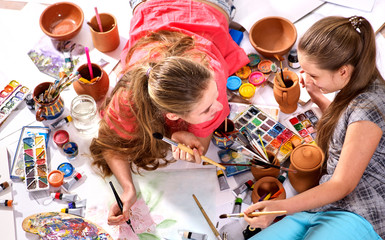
84, 112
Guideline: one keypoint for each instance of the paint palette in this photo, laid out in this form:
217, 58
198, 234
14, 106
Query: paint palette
304, 124
35, 162
10, 98
31, 156
231, 156
273, 133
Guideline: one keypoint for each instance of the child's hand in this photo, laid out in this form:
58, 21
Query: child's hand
115, 216
311, 88
190, 140
265, 220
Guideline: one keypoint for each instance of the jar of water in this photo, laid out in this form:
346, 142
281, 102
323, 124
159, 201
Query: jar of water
84, 114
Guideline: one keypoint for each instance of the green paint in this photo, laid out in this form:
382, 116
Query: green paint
157, 201
166, 223
148, 236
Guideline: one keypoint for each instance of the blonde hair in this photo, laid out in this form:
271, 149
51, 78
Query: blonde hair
173, 82
331, 43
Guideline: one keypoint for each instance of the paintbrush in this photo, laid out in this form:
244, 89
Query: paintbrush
280, 59
215, 231
185, 148
120, 204
253, 214
261, 163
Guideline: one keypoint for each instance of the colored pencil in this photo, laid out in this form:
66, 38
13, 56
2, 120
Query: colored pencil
263, 146
89, 63
215, 231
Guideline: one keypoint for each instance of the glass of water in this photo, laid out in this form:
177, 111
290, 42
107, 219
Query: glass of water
84, 112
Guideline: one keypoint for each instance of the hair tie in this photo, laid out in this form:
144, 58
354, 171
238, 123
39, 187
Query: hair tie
148, 71
356, 23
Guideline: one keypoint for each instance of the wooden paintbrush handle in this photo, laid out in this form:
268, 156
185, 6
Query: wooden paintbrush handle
204, 158
256, 214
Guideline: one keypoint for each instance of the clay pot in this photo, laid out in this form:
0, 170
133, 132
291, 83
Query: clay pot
260, 172
47, 110
287, 97
307, 159
267, 185
97, 89
109, 39
221, 137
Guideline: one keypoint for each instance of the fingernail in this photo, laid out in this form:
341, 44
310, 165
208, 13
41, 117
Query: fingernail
302, 71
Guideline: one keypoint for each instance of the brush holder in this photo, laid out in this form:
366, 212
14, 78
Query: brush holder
265, 186
260, 171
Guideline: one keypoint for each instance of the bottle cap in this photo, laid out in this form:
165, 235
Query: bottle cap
233, 83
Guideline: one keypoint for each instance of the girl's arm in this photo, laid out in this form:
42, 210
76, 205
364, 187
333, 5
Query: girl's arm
361, 141
121, 169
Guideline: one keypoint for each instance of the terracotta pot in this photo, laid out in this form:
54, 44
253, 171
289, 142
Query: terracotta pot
109, 39
47, 110
267, 185
307, 159
97, 89
259, 172
287, 97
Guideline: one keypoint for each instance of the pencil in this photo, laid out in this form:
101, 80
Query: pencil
254, 214
120, 204
263, 146
215, 231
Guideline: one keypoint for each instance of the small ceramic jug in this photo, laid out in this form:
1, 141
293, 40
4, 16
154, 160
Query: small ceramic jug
260, 172
265, 186
287, 97
47, 110
307, 159
97, 89
221, 137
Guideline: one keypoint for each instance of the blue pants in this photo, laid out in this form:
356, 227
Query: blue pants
328, 225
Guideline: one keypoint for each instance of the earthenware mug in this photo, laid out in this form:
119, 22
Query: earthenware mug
107, 40
307, 159
47, 110
97, 88
287, 97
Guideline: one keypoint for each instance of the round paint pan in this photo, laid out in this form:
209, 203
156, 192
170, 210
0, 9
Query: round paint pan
265, 66
257, 78
66, 168
254, 59
61, 137
233, 83
55, 178
243, 72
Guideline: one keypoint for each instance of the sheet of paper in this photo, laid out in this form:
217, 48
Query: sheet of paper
366, 6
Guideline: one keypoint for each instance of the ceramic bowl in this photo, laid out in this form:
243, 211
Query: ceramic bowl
265, 186
273, 35
61, 21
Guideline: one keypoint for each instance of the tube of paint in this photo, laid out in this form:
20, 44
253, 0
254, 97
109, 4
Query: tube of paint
68, 185
64, 196
242, 188
191, 235
237, 205
223, 185
77, 204
6, 203
247, 198
4, 185
75, 211
61, 122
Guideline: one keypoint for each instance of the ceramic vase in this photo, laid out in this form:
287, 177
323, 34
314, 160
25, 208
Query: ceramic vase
265, 186
221, 137
287, 97
97, 89
47, 110
260, 172
307, 159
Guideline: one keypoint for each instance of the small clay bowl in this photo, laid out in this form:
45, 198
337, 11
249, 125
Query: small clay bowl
61, 21
265, 186
273, 35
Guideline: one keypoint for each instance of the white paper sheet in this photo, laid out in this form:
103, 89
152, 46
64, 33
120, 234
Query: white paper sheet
366, 6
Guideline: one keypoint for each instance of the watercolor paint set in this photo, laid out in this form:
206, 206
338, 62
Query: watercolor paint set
31, 159
231, 156
304, 123
275, 136
10, 97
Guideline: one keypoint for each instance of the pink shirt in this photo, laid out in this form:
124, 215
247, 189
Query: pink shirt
209, 28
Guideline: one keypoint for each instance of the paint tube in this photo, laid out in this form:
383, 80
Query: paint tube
6, 203
4, 185
75, 211
68, 185
191, 235
61, 122
247, 198
282, 177
77, 204
223, 185
237, 205
64, 196
242, 188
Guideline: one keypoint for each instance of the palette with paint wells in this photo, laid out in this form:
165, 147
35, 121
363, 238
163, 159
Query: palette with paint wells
304, 124
231, 156
10, 98
35, 163
273, 133
29, 156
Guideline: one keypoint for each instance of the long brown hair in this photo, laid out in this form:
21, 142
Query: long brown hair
331, 43
170, 79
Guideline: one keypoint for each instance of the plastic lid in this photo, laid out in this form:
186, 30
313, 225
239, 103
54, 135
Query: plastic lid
247, 90
61, 137
254, 59
66, 168
257, 78
243, 72
233, 83
55, 178
265, 66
